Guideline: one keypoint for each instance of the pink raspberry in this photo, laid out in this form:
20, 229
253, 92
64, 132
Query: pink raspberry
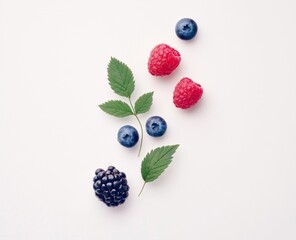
163, 60
187, 93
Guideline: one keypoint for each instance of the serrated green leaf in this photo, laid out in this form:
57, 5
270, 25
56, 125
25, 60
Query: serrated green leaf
144, 103
116, 108
156, 162
120, 78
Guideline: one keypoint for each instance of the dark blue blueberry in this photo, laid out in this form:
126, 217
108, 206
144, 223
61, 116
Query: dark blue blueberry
186, 28
156, 126
128, 136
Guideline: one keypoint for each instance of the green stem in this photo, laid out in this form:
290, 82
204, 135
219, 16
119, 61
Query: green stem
141, 127
141, 140
142, 189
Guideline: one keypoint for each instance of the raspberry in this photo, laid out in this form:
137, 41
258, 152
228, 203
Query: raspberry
111, 186
187, 93
163, 60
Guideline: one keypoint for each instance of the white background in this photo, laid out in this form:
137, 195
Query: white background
233, 176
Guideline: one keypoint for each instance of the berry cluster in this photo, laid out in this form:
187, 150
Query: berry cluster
111, 186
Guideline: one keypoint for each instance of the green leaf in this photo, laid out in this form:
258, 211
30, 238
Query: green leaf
144, 103
120, 78
156, 162
116, 108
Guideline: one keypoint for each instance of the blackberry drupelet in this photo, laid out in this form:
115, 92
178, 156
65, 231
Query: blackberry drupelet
111, 186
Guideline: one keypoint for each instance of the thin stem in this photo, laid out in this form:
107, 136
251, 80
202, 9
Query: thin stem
142, 189
132, 106
141, 138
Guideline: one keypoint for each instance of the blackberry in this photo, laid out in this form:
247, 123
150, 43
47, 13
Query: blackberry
111, 186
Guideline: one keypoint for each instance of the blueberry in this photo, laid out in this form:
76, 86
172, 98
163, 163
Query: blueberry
128, 136
156, 126
186, 28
